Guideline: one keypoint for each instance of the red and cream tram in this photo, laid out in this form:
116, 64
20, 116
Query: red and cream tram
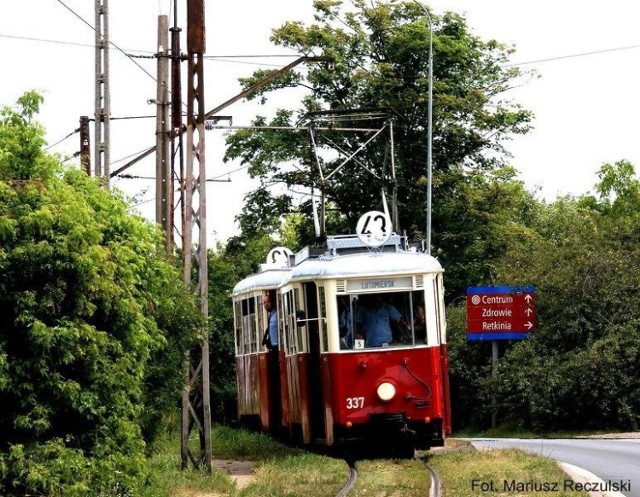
332, 381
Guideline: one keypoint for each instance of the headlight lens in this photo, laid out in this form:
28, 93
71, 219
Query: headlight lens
386, 391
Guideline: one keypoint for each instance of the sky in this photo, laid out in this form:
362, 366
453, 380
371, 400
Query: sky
585, 101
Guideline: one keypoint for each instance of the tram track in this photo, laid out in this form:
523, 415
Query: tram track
435, 488
353, 477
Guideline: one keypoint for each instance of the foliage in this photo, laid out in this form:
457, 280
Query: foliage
486, 213
92, 319
380, 52
469, 364
578, 370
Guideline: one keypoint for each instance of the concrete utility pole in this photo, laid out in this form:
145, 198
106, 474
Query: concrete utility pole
196, 404
164, 183
103, 105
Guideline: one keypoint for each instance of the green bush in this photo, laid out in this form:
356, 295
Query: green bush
93, 322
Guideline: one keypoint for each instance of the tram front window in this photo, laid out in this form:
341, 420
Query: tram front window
370, 320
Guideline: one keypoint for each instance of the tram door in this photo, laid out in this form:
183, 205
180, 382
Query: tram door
315, 374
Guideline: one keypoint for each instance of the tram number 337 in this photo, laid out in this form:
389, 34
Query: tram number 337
355, 402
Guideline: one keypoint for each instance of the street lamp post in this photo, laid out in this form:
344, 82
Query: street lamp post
429, 125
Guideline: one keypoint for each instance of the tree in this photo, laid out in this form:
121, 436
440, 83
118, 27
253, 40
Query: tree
224, 274
92, 319
380, 53
578, 369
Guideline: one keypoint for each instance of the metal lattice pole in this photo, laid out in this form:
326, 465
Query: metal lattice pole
196, 404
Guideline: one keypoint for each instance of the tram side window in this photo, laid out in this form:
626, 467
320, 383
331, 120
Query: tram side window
299, 331
249, 326
253, 328
381, 319
290, 322
419, 318
238, 326
295, 336
324, 339
261, 323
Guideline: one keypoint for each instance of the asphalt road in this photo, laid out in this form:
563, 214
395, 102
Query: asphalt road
612, 460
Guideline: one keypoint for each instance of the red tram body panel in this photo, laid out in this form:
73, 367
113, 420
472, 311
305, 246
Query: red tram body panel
355, 378
361, 356
444, 371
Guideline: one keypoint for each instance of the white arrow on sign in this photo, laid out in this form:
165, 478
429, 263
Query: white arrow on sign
528, 311
528, 298
528, 325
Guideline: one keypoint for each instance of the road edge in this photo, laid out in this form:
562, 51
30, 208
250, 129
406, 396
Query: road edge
581, 475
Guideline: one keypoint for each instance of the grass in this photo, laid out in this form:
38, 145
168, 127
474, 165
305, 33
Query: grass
168, 480
513, 430
391, 478
282, 471
498, 473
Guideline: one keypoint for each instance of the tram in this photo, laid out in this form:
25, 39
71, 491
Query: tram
340, 377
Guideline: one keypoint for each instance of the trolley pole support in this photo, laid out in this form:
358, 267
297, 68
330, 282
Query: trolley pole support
196, 403
85, 145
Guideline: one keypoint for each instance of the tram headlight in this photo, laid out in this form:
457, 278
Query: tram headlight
386, 391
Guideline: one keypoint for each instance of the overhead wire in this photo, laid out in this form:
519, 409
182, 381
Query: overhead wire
63, 139
570, 56
46, 40
110, 42
225, 58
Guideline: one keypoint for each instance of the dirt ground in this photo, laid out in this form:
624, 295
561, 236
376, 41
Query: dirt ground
241, 472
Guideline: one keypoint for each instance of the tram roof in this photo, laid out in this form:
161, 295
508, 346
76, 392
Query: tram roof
271, 278
369, 264
361, 265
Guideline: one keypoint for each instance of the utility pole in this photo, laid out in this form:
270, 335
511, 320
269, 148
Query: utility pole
164, 185
196, 403
85, 145
103, 106
177, 156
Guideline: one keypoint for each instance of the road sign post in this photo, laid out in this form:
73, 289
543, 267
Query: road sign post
500, 313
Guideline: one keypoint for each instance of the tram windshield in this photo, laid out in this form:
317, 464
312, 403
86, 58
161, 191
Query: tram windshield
381, 319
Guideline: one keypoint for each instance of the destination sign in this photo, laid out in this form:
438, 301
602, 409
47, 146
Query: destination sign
500, 312
370, 285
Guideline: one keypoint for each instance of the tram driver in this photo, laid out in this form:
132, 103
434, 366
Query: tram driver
374, 320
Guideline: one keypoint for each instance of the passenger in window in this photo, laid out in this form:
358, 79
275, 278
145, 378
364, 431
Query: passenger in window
374, 320
270, 338
345, 322
420, 323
